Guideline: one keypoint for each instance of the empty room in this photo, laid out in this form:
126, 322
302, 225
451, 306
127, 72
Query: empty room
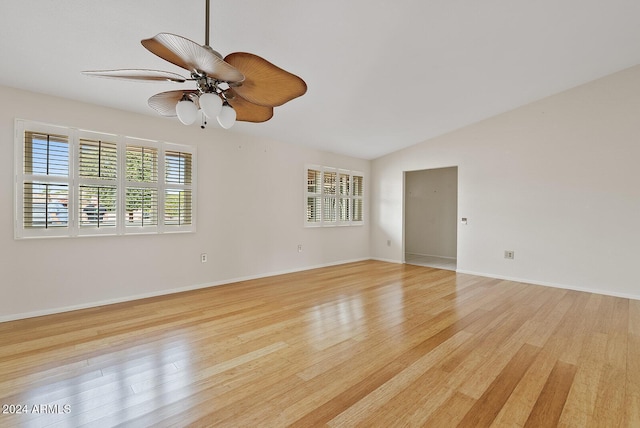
270, 214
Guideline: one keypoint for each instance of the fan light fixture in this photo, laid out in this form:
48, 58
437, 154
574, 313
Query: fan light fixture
241, 86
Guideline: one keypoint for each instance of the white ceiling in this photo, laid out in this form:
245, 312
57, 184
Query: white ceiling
381, 75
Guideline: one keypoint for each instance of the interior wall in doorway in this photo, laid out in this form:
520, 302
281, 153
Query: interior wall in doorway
431, 211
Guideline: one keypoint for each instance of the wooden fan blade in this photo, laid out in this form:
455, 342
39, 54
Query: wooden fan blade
165, 102
137, 75
265, 83
191, 56
247, 111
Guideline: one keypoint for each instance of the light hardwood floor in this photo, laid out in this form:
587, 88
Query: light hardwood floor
363, 344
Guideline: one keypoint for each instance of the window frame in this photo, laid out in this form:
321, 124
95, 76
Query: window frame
75, 181
335, 197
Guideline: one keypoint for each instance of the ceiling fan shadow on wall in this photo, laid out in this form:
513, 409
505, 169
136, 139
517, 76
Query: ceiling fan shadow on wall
239, 87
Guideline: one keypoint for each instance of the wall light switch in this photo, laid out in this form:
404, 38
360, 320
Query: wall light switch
463, 220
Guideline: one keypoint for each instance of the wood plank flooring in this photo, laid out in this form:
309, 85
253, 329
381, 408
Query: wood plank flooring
367, 344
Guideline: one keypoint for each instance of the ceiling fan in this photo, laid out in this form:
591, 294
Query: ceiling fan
241, 86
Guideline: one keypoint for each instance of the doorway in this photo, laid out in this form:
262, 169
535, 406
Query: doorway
430, 217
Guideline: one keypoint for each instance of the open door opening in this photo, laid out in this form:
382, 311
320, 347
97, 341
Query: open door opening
430, 217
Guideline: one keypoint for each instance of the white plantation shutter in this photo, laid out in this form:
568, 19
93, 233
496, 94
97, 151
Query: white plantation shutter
45, 205
142, 207
98, 159
98, 182
344, 202
357, 196
314, 196
178, 202
178, 167
46, 154
71, 182
333, 197
344, 183
141, 194
329, 208
178, 211
97, 206
344, 210
42, 185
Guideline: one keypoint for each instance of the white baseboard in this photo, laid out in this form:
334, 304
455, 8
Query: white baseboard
554, 285
14, 317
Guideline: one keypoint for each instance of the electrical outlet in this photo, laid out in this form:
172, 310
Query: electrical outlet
509, 254
388, 242
299, 248
203, 258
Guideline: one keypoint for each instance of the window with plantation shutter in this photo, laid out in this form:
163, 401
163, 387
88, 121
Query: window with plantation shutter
43, 192
98, 182
141, 194
314, 195
329, 196
356, 200
71, 182
344, 193
177, 210
178, 197
45, 205
98, 159
333, 197
46, 154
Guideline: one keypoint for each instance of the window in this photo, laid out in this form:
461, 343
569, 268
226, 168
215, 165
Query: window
178, 204
72, 182
334, 197
141, 187
97, 181
44, 163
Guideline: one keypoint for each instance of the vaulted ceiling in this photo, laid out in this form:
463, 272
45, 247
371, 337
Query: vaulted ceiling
381, 75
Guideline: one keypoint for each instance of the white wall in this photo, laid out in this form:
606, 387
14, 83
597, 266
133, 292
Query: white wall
430, 212
250, 217
557, 181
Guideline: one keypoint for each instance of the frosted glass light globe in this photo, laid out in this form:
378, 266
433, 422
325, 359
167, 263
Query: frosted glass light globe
211, 104
187, 112
227, 116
